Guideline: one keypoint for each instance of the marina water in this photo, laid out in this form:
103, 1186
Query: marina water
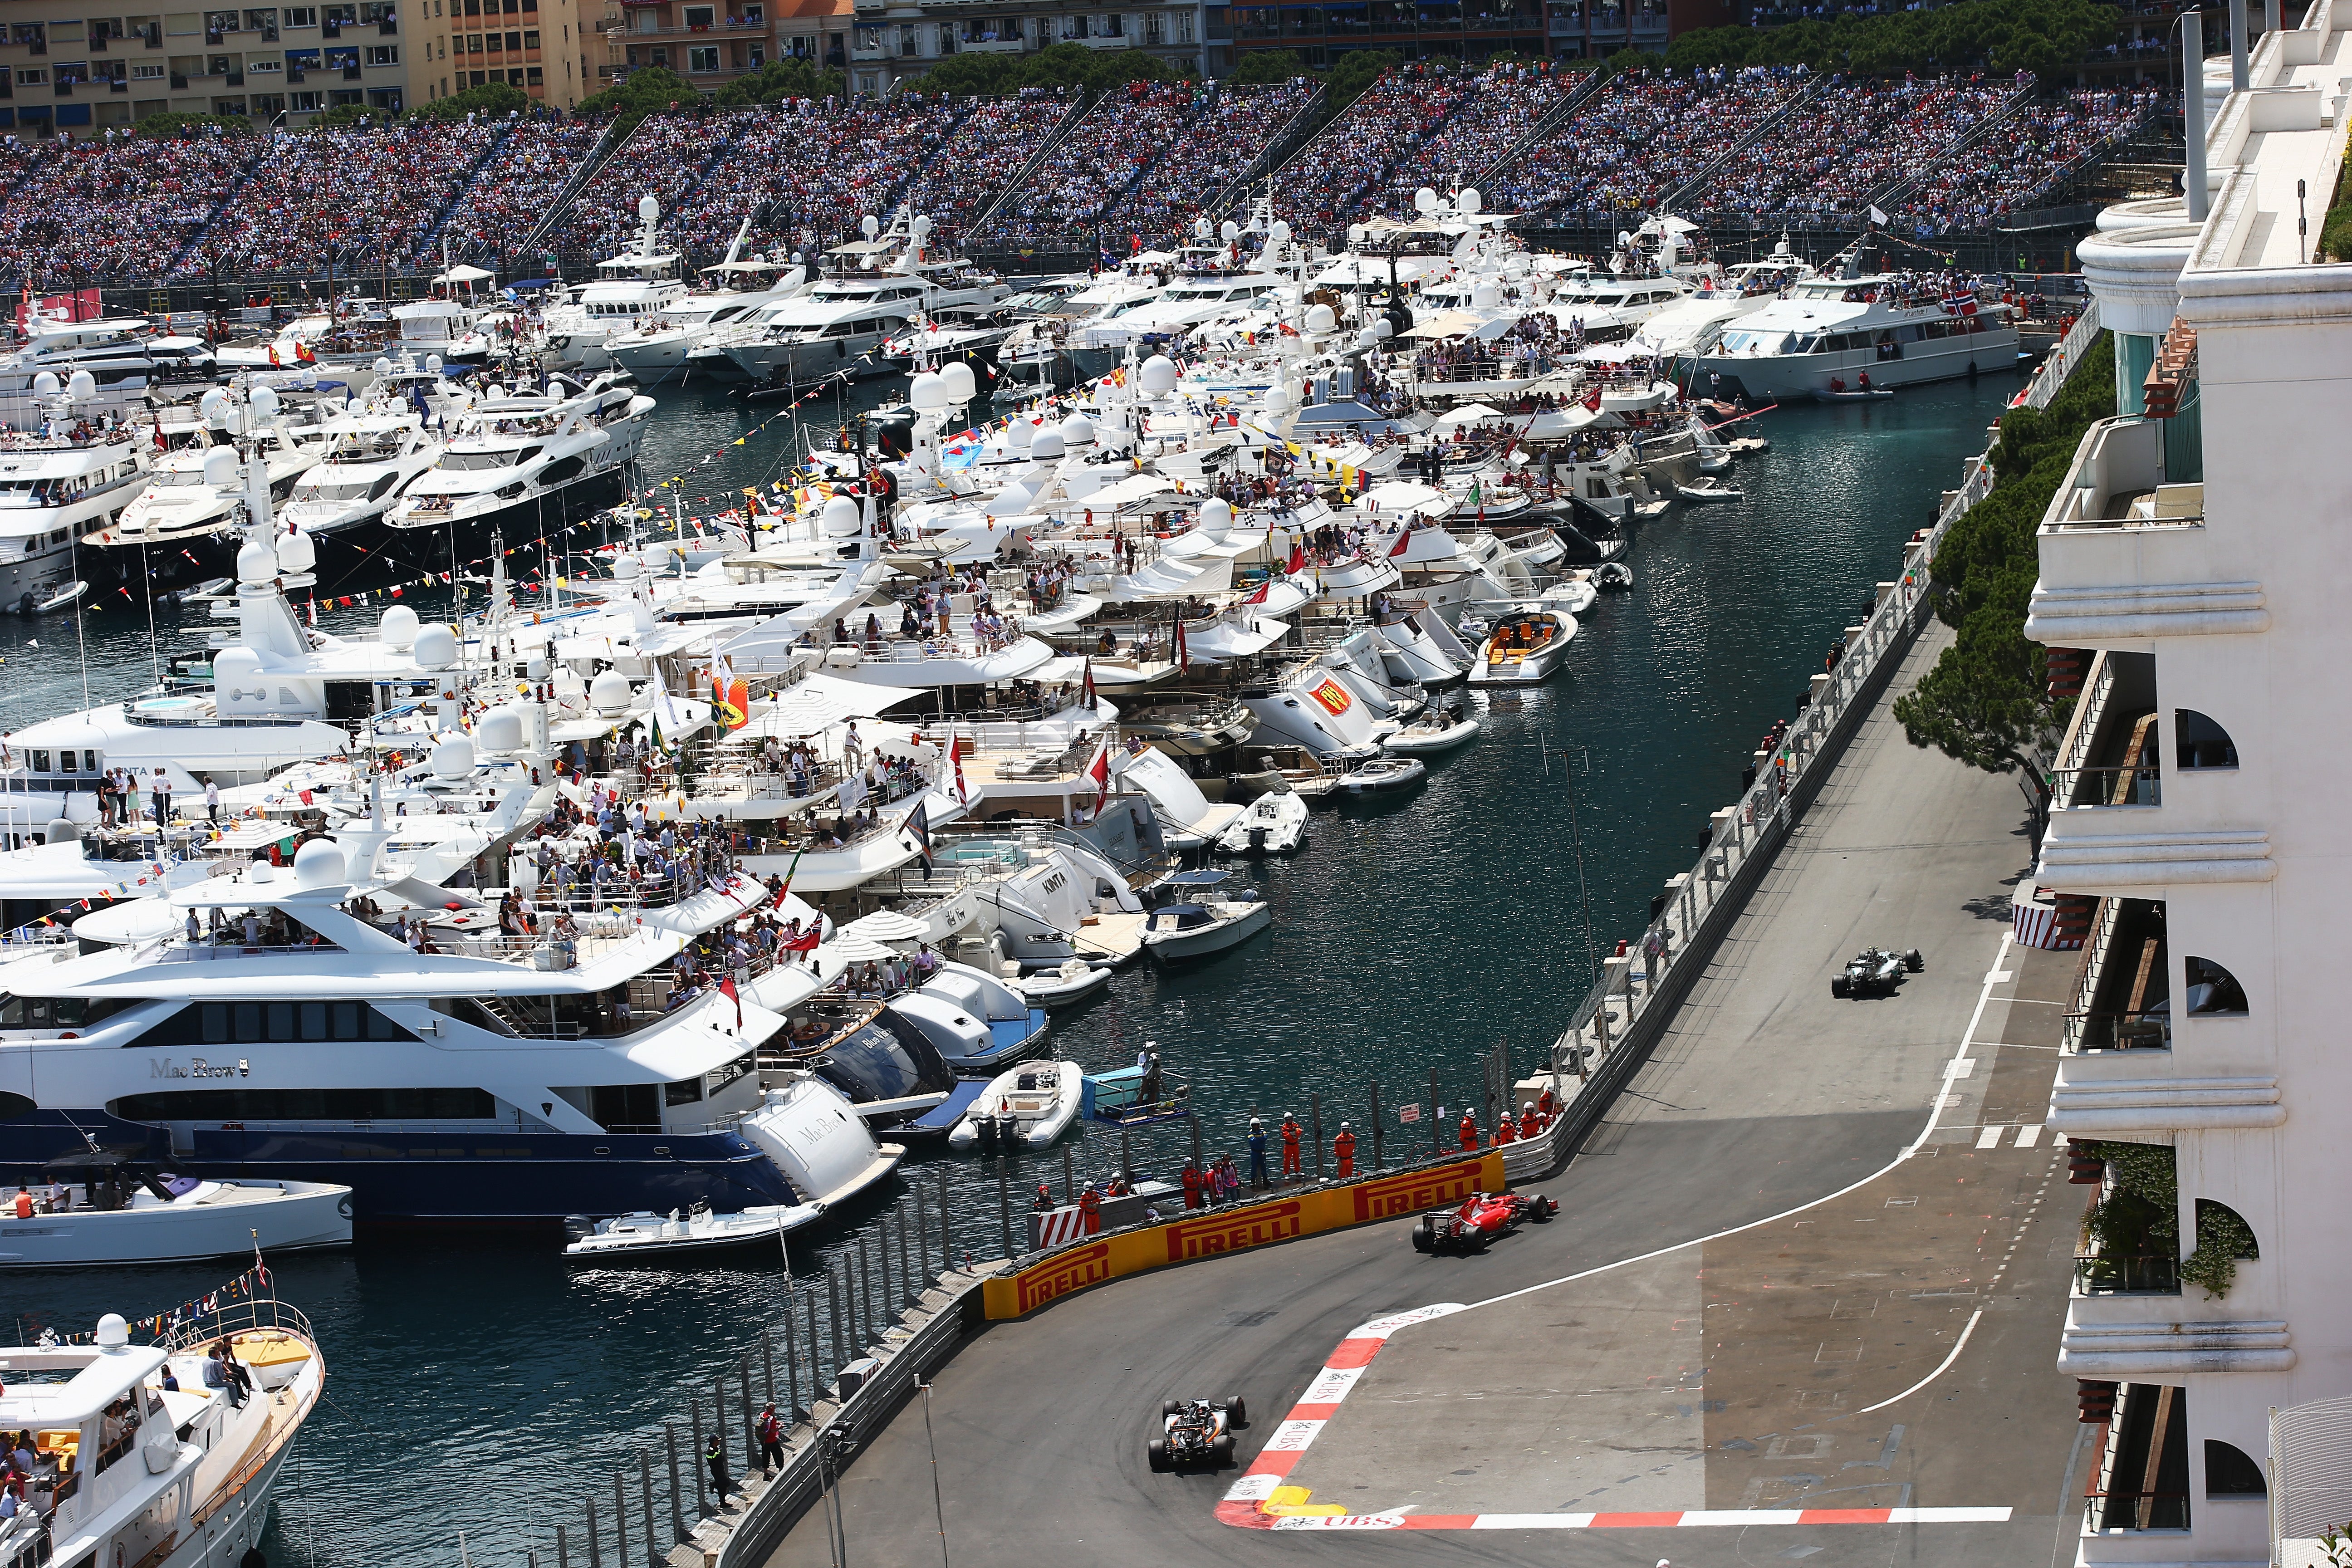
477, 1384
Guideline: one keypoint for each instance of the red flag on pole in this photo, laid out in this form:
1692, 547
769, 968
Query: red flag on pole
1263, 590
1297, 562
1183, 654
1403, 538
727, 989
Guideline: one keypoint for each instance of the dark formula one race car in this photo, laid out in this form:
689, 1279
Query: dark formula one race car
1482, 1218
1875, 971
1196, 1432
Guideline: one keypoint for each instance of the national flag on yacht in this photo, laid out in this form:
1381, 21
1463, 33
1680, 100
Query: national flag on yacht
1099, 771
668, 722
918, 829
1183, 654
955, 761
727, 989
1961, 304
1877, 216
1263, 590
1297, 562
1086, 684
786, 890
1403, 541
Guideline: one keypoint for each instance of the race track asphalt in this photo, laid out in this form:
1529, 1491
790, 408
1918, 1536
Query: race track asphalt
1764, 1095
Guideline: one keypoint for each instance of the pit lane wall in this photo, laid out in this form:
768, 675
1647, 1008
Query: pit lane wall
1208, 1233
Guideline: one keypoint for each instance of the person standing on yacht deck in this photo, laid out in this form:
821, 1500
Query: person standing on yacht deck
161, 793
212, 801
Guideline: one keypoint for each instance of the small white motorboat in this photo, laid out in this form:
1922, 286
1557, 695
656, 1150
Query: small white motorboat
1749, 445
1853, 395
1708, 492
62, 597
1066, 985
1024, 1107
100, 1209
1574, 594
646, 1235
1526, 646
1274, 824
1383, 776
1206, 923
1430, 732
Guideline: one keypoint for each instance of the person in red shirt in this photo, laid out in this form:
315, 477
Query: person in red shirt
1291, 1133
1344, 1147
1090, 1209
1469, 1131
1193, 1182
1504, 1130
1528, 1126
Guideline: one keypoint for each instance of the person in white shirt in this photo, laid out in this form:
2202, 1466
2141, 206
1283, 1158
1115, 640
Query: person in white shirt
212, 800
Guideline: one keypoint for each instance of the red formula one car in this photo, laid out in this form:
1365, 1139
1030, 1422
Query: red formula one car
1482, 1218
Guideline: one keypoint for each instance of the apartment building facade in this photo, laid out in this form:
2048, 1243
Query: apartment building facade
894, 40
2191, 565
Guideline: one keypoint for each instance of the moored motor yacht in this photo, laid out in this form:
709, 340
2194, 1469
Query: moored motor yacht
1027, 1107
53, 489
1841, 332
1273, 823
97, 1209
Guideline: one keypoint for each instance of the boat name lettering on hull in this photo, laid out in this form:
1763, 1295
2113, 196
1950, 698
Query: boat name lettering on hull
1072, 1271
1417, 1190
163, 1067
1232, 1233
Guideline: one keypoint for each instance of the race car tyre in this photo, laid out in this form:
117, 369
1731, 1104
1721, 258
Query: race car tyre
1840, 987
1424, 1235
1236, 1412
1221, 1450
1541, 1208
1169, 1407
1155, 1450
1913, 961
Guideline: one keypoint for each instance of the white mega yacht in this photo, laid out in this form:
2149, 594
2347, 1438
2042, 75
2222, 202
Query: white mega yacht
317, 1041
631, 289
870, 290
658, 347
106, 363
1843, 333
53, 489
135, 1470
366, 463
525, 463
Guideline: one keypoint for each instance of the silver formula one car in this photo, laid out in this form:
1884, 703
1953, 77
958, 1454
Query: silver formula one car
1875, 971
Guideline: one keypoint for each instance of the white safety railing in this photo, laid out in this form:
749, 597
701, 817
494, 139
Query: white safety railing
2064, 357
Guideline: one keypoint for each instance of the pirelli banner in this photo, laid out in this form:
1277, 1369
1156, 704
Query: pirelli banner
1211, 1232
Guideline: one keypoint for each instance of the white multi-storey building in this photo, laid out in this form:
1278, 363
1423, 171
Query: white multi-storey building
2200, 554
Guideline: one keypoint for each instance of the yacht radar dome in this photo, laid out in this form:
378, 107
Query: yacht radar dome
649, 209
928, 394
1280, 233
1045, 445
264, 403
499, 732
609, 693
841, 517
255, 563
297, 552
1216, 517
397, 627
113, 1333
45, 383
81, 386
626, 568
319, 864
433, 364
1078, 430
452, 758
1470, 201
436, 647
1159, 375
962, 386
869, 226
1018, 435
1320, 320
1424, 201
1229, 232
220, 467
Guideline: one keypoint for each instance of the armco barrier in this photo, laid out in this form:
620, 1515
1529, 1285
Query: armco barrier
1211, 1233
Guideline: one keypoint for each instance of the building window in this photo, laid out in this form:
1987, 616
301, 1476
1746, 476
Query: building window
384, 54
303, 102
385, 97
473, 42
702, 59
33, 76
302, 17
530, 40
698, 18
264, 67
147, 71
514, 42
907, 40
531, 78
1183, 27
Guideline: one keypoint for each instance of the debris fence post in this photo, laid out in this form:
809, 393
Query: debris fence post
1005, 1207
1069, 1177
646, 1502
909, 1289
791, 1363
676, 1487
620, 1522
768, 1361
1376, 1124
833, 1300
947, 1240
923, 1235
596, 1557
562, 1549
1436, 1138
1199, 1162
743, 1384
1315, 1129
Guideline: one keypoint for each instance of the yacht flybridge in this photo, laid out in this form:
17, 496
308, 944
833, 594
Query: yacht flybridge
131, 1469
656, 347
1844, 331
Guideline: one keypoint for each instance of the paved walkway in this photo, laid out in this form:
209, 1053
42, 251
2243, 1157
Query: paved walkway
1677, 1345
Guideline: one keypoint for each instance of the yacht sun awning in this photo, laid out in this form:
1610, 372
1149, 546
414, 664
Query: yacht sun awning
818, 701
